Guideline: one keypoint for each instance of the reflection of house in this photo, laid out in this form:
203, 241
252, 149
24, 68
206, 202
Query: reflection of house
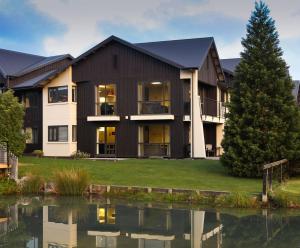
120, 226
59, 229
8, 219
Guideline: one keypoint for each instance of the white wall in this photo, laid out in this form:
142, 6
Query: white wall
59, 114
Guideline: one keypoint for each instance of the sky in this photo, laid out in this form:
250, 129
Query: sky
51, 27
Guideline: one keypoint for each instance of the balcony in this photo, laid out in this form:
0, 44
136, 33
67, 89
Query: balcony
153, 107
106, 108
214, 108
154, 149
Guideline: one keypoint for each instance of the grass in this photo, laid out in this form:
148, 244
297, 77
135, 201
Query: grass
193, 174
71, 181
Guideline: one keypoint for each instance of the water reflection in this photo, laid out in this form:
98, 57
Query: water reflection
69, 222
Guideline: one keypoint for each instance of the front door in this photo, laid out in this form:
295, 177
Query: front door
106, 141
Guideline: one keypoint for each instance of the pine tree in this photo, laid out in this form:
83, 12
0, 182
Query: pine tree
263, 124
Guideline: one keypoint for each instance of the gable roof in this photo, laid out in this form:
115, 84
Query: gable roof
13, 63
183, 54
229, 65
188, 53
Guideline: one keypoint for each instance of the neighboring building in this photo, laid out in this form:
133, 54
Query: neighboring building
163, 99
296, 92
44, 85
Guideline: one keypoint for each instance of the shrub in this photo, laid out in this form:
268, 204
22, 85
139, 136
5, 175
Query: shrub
38, 153
8, 187
71, 182
78, 155
237, 200
33, 184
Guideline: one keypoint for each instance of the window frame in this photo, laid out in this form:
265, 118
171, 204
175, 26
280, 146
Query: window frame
54, 137
56, 88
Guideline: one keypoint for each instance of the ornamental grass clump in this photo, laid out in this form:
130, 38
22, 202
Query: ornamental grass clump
71, 182
33, 184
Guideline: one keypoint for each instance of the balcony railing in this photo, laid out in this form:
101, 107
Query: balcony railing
154, 107
106, 149
154, 149
106, 108
213, 107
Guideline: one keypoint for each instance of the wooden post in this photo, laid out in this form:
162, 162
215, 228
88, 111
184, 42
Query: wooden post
270, 176
264, 191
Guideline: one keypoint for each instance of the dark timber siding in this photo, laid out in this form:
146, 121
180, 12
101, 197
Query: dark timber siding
207, 73
125, 67
34, 119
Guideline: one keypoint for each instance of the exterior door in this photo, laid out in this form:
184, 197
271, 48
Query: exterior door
106, 141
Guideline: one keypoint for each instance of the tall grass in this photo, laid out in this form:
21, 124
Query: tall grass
71, 181
32, 185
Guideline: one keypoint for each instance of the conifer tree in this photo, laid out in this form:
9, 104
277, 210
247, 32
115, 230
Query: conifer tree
263, 121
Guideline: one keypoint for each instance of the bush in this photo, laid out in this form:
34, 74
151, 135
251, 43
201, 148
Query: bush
33, 184
78, 155
8, 186
38, 153
71, 182
237, 200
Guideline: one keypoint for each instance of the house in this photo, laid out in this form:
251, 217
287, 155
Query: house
156, 99
44, 85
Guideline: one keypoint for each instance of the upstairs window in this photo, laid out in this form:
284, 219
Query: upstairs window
29, 99
106, 104
58, 94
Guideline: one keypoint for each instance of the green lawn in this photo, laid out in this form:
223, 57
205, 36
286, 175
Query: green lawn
193, 174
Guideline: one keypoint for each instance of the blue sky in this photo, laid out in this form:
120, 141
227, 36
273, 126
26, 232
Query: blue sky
50, 27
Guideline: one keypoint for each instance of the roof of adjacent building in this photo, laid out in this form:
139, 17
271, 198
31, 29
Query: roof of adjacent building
229, 65
183, 54
296, 88
13, 63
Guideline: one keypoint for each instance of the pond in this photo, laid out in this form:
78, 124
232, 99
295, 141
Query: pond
49, 222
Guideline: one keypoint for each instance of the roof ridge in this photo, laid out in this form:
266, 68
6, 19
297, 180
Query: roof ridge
13, 51
199, 38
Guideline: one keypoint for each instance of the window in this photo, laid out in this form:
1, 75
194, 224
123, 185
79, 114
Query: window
74, 94
74, 133
106, 104
58, 94
154, 98
29, 99
32, 135
58, 133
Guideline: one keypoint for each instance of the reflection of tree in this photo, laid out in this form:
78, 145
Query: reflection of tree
77, 205
16, 238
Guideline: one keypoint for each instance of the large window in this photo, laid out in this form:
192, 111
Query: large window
154, 140
106, 141
29, 99
154, 98
106, 99
58, 94
32, 135
58, 133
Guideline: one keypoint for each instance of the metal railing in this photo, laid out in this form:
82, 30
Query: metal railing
106, 149
278, 168
154, 149
213, 107
154, 107
106, 108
